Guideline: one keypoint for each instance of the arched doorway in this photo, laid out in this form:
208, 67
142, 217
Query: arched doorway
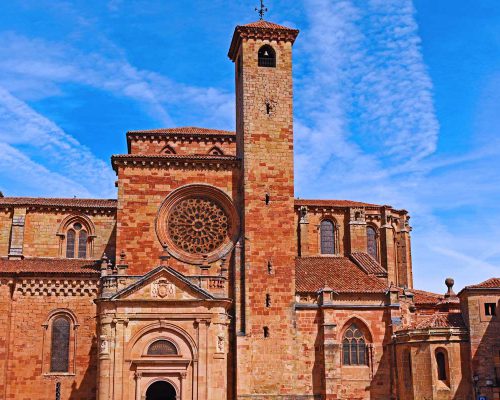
161, 390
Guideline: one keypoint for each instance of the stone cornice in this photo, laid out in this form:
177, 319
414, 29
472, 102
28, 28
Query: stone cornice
214, 137
175, 161
245, 32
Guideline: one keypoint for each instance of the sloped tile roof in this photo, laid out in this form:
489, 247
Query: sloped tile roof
58, 202
367, 263
492, 283
52, 266
267, 25
333, 203
440, 320
187, 130
339, 273
426, 298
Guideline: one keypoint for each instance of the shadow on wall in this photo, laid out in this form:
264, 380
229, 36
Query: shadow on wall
88, 386
380, 386
483, 363
318, 371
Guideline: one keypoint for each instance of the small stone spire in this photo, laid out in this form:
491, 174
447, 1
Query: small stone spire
449, 282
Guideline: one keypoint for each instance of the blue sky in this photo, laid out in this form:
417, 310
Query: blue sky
396, 102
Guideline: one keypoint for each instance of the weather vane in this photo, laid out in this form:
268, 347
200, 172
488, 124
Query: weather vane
262, 10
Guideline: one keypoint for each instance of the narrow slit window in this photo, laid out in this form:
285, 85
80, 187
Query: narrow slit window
266, 332
327, 233
82, 244
70, 244
441, 365
371, 242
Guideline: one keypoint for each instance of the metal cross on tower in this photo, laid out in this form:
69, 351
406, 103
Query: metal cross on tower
262, 10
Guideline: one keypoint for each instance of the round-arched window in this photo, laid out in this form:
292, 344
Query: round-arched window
162, 348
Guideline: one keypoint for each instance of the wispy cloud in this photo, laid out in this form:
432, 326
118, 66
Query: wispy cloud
33, 69
21, 126
367, 129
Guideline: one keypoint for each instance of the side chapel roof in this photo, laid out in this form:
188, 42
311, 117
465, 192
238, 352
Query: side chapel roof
49, 266
339, 273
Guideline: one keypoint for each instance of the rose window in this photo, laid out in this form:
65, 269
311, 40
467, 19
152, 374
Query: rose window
198, 225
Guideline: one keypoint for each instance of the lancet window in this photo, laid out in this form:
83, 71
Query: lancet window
327, 233
354, 347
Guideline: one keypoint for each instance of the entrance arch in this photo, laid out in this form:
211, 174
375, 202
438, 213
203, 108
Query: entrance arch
161, 390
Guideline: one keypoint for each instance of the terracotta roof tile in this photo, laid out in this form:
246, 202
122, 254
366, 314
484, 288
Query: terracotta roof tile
339, 273
492, 283
185, 130
263, 30
52, 266
58, 202
440, 320
267, 25
426, 298
333, 203
368, 264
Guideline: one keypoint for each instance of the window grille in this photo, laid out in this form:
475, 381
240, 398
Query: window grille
267, 57
371, 238
59, 351
82, 244
162, 348
327, 237
70, 244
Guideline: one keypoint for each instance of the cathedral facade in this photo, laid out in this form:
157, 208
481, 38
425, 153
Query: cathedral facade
208, 280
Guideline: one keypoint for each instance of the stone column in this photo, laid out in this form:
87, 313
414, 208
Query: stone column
387, 247
104, 368
120, 325
138, 377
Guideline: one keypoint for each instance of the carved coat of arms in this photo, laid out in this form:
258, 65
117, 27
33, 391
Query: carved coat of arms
162, 288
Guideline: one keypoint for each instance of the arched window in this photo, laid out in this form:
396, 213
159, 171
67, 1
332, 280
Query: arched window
327, 233
70, 244
59, 348
441, 365
354, 347
76, 241
162, 348
267, 56
371, 242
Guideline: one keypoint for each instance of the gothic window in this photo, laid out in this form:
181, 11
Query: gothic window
76, 241
371, 241
162, 348
59, 349
70, 244
327, 233
490, 309
441, 365
353, 347
267, 57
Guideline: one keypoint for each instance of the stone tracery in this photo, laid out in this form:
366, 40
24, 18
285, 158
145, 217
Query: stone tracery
198, 225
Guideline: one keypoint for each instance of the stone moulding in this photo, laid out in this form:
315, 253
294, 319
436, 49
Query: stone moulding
173, 161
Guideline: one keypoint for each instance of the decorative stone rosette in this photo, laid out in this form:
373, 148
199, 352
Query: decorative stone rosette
198, 223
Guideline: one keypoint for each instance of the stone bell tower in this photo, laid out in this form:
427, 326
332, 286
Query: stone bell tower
262, 53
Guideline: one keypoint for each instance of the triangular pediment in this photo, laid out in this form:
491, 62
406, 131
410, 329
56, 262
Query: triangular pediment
163, 284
